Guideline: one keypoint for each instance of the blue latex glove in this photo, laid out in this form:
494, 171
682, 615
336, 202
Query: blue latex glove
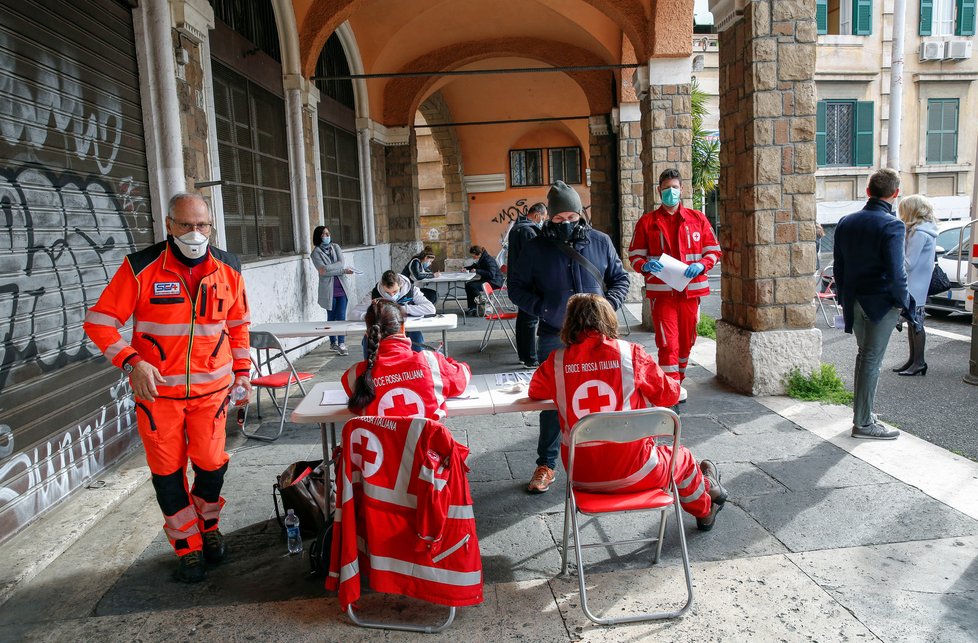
693, 270
652, 265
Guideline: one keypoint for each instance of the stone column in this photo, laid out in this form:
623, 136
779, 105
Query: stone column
602, 173
767, 194
402, 199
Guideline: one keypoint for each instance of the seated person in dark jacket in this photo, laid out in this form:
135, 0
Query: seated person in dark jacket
487, 269
418, 268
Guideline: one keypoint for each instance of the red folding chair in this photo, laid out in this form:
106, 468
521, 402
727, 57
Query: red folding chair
496, 314
268, 349
621, 427
827, 296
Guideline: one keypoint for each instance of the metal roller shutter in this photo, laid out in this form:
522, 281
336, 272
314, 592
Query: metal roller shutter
74, 200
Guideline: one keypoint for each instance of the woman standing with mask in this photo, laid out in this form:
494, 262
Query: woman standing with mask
333, 285
917, 213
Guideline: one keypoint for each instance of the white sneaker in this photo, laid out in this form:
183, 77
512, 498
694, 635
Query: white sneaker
683, 394
341, 350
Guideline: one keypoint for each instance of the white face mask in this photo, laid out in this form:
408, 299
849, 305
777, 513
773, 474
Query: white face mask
192, 245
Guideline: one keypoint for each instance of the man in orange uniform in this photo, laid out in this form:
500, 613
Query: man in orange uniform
189, 344
686, 235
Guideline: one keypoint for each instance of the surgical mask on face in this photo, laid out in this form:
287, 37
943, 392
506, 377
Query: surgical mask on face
563, 232
192, 245
426, 265
670, 197
326, 241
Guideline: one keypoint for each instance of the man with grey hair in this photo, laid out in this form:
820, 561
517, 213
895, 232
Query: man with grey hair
872, 285
189, 351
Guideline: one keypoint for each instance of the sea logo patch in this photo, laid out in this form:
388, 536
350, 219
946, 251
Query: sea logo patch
166, 288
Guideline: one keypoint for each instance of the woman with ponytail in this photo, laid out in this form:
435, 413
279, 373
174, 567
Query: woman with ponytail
396, 381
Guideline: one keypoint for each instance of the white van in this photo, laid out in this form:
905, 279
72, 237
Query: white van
953, 256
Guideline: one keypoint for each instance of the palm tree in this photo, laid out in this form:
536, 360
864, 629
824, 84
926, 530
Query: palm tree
706, 152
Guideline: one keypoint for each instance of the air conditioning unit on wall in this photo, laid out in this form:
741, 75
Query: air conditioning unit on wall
932, 50
957, 49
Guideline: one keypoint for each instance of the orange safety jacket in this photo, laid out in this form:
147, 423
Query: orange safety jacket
196, 342
696, 243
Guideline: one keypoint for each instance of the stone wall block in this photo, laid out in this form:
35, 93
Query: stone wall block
800, 316
767, 104
799, 184
787, 160
803, 258
759, 292
794, 290
765, 318
764, 50
796, 61
764, 76
770, 261
768, 165
759, 15
805, 158
785, 232
804, 207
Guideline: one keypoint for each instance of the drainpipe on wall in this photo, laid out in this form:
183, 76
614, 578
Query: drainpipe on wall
896, 86
173, 178
297, 160
367, 188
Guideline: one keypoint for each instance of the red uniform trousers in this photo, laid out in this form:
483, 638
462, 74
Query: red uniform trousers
173, 431
674, 318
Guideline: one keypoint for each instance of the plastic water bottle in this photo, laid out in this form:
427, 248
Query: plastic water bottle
292, 531
238, 393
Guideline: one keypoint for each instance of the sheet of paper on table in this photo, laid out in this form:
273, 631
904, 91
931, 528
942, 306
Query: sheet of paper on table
471, 391
522, 377
672, 272
334, 396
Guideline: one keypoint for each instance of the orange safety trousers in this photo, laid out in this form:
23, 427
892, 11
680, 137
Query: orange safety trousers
173, 431
674, 319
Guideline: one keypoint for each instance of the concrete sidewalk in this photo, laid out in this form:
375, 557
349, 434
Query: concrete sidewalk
824, 538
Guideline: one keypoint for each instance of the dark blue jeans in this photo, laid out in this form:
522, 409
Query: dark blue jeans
548, 446
337, 313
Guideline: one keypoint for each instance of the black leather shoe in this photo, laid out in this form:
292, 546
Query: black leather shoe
718, 495
191, 568
214, 547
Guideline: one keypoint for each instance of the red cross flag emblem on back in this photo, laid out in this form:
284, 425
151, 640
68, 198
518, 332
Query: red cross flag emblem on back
593, 396
366, 452
400, 402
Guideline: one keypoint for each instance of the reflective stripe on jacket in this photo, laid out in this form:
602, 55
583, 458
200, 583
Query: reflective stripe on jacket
696, 242
196, 342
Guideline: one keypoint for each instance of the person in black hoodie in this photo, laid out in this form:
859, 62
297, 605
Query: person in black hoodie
524, 229
488, 270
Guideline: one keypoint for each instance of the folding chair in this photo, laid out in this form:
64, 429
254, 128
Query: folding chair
268, 349
496, 314
826, 294
620, 427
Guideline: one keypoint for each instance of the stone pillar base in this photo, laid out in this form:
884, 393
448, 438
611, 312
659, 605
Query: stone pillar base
758, 362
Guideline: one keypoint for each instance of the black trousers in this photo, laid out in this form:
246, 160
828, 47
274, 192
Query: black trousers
472, 290
526, 336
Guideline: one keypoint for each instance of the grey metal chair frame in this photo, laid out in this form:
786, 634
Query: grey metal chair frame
269, 343
493, 307
403, 627
621, 427
824, 294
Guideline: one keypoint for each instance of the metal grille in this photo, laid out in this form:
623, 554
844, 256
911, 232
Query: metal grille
332, 62
839, 134
253, 152
565, 164
340, 163
253, 19
525, 167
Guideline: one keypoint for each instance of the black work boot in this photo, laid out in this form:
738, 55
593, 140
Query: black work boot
214, 548
718, 495
190, 568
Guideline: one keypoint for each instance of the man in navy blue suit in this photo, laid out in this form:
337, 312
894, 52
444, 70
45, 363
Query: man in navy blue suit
872, 282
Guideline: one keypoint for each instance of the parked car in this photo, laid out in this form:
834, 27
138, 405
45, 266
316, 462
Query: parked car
953, 256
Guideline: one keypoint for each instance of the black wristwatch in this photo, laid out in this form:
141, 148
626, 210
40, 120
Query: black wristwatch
127, 367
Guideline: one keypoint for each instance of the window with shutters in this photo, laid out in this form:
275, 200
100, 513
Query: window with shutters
942, 130
947, 17
565, 164
340, 164
844, 133
253, 153
525, 168
844, 17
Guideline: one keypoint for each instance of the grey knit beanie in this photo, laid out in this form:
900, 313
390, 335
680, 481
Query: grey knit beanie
563, 198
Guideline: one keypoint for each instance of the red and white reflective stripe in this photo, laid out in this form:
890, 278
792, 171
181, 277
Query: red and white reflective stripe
561, 387
234, 323
627, 374
351, 379
101, 319
438, 382
657, 286
182, 524
115, 349
698, 285
399, 494
710, 249
638, 253
688, 482
630, 479
461, 512
451, 550
423, 572
199, 378
178, 330
208, 510
240, 353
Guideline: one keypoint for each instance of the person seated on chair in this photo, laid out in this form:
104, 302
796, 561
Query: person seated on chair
599, 372
488, 270
395, 380
418, 268
412, 302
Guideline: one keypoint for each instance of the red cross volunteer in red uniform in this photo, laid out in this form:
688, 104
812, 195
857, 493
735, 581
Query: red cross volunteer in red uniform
395, 380
598, 372
189, 346
686, 235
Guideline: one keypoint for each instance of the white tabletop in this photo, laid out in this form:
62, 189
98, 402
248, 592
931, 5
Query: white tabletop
351, 327
446, 277
488, 401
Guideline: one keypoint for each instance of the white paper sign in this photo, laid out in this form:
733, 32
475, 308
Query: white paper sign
471, 391
672, 272
334, 396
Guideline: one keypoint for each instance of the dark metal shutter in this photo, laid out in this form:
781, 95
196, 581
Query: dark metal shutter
74, 200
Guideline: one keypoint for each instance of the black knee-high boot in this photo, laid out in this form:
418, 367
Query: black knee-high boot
918, 341
909, 362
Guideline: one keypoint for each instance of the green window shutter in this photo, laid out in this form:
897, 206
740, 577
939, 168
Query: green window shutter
862, 17
820, 155
822, 15
863, 144
926, 16
964, 24
953, 147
